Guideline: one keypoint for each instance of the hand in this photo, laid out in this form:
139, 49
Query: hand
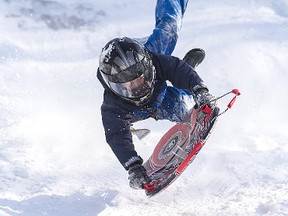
137, 176
204, 98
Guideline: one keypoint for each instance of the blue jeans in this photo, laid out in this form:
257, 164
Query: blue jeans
169, 13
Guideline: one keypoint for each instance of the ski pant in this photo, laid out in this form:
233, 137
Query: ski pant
168, 15
177, 103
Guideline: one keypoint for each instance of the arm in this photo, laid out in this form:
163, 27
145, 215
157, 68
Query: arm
116, 122
177, 71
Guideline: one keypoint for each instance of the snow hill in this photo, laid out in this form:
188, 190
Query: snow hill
53, 156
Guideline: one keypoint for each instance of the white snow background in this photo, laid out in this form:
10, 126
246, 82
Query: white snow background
53, 156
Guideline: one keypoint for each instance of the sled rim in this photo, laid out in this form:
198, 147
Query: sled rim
173, 174
164, 151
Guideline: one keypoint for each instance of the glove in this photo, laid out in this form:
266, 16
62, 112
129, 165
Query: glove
137, 176
202, 96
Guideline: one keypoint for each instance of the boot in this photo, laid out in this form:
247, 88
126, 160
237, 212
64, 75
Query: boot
194, 57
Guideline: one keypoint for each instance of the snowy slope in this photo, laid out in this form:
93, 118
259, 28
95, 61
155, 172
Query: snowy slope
53, 156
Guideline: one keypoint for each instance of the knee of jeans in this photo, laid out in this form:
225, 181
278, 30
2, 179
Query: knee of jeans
170, 24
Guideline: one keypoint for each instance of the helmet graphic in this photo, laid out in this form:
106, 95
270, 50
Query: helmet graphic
127, 69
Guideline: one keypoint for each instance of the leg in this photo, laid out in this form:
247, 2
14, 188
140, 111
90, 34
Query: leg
169, 14
176, 106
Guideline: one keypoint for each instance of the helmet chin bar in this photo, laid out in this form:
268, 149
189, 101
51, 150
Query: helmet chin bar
140, 101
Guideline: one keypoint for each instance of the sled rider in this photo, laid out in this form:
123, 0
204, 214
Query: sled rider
134, 77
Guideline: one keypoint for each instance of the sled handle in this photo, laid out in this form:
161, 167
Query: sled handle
231, 102
237, 93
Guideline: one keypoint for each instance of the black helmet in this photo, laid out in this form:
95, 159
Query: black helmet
127, 69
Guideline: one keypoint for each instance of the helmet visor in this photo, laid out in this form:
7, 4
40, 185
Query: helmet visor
134, 89
128, 74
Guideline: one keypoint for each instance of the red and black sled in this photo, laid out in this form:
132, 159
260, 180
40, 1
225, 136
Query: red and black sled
180, 145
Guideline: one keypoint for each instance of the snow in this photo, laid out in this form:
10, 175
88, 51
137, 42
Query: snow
53, 156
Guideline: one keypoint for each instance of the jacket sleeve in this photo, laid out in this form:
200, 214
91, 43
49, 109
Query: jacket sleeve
116, 122
177, 71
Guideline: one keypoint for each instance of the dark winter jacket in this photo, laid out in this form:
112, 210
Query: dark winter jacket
118, 114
